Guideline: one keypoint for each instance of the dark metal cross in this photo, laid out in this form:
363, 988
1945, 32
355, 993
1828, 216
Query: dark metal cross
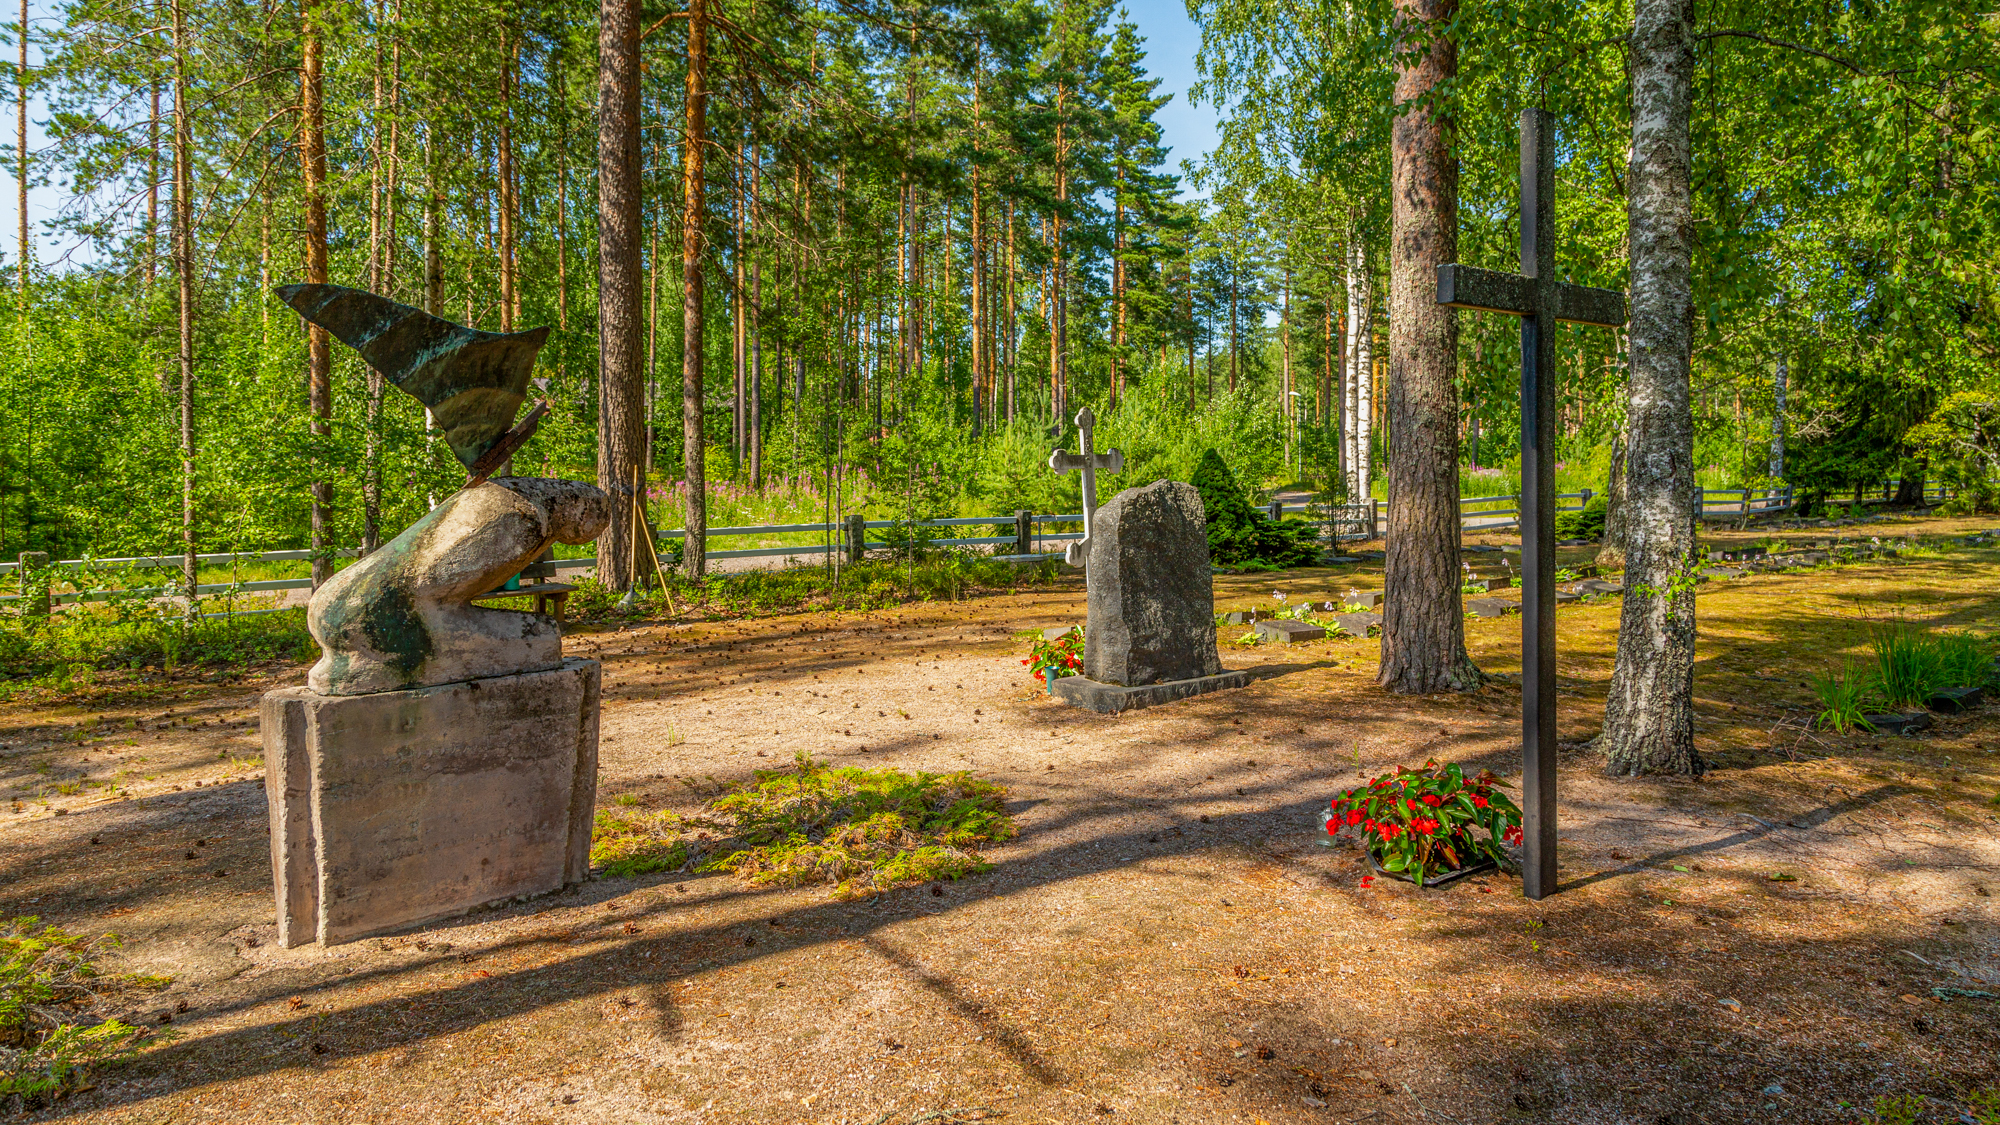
1539, 300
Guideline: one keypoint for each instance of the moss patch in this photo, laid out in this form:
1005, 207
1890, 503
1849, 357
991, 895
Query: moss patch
861, 830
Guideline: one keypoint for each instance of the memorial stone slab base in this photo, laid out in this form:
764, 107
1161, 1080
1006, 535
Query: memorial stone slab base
395, 808
1109, 699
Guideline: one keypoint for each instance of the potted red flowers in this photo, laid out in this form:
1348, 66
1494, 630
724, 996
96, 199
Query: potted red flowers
1052, 660
1431, 825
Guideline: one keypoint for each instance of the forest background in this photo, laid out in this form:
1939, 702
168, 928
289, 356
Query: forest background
915, 237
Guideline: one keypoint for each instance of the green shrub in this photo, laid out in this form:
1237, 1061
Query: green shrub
47, 977
862, 830
1241, 536
1585, 524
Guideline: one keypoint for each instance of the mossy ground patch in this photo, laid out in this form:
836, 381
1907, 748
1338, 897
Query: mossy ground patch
862, 830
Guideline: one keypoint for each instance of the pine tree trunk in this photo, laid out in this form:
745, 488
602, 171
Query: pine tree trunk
153, 200
1649, 714
319, 346
371, 456
184, 278
694, 143
756, 332
504, 166
621, 375
1423, 624
25, 262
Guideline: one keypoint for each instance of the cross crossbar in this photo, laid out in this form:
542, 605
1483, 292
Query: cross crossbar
1469, 287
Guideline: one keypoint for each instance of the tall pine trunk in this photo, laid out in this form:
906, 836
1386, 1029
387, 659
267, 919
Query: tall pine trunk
21, 154
319, 346
621, 375
1423, 626
1649, 715
378, 244
694, 144
184, 278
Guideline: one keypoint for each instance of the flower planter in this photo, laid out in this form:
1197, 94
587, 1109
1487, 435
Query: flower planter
1435, 880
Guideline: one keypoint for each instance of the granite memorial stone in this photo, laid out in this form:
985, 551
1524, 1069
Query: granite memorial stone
1149, 636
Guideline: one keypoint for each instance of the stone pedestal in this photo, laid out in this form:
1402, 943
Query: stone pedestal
396, 808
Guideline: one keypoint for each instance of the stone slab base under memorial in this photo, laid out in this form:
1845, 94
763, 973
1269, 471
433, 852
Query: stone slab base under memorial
1109, 699
396, 808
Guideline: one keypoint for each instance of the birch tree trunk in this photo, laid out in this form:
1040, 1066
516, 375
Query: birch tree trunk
1423, 626
621, 376
1611, 552
1364, 376
1649, 714
1779, 377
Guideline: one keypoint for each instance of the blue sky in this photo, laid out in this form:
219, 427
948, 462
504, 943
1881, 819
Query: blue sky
1171, 40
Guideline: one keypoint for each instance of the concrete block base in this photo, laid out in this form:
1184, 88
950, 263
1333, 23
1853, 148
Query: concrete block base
396, 808
1109, 699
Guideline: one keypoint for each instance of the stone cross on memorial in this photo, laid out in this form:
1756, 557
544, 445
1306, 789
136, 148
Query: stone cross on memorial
1539, 299
1087, 462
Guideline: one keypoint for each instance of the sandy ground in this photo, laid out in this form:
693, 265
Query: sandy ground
1165, 941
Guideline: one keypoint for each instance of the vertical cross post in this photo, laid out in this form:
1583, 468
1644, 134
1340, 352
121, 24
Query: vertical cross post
1538, 533
1540, 300
1086, 461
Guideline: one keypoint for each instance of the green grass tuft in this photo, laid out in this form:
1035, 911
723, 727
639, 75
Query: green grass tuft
1962, 659
1842, 700
47, 977
862, 830
1908, 667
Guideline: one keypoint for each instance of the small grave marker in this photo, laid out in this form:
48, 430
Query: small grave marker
1358, 623
1285, 632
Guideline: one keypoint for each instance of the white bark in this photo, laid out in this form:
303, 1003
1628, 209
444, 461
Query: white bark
1778, 380
1649, 714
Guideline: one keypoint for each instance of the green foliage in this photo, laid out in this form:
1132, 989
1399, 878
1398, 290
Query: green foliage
47, 977
1908, 665
1842, 697
1898, 1109
1419, 823
1239, 535
862, 830
941, 574
1586, 524
1963, 659
87, 637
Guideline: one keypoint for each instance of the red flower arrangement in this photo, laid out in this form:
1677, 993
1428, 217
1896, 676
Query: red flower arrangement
1058, 658
1421, 823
